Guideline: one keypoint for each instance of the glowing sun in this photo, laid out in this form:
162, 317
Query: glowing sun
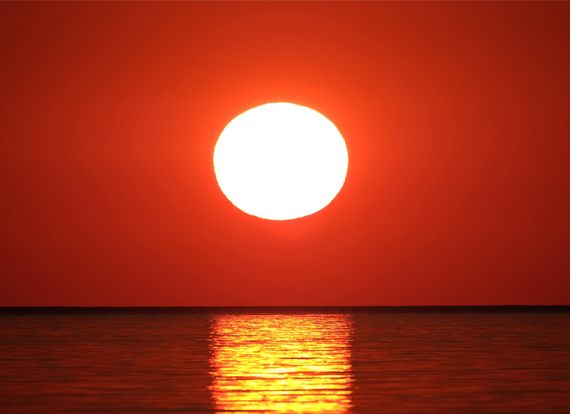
280, 161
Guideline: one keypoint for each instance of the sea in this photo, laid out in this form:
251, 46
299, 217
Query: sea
285, 360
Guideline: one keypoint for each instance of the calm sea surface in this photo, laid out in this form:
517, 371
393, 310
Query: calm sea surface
287, 361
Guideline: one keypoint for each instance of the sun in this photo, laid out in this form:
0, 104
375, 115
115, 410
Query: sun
280, 161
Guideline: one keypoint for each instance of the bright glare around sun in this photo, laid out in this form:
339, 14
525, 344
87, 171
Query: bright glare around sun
280, 161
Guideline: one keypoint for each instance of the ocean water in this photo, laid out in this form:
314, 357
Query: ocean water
284, 361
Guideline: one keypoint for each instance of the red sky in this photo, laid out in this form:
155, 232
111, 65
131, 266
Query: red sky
455, 115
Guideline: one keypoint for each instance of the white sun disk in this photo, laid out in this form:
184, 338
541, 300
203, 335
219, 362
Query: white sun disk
280, 161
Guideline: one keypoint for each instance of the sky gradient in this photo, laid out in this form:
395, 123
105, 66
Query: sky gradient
455, 116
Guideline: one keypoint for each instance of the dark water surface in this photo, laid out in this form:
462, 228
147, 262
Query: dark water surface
335, 360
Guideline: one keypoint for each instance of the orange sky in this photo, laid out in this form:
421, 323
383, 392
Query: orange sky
455, 115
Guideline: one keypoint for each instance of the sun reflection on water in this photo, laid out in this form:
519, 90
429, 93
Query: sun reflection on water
281, 363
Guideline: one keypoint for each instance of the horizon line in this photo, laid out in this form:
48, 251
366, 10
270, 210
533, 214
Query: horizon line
268, 309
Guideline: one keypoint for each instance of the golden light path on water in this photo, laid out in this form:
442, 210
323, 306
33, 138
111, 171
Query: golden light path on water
284, 363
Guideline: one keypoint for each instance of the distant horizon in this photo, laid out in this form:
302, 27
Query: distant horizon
412, 309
